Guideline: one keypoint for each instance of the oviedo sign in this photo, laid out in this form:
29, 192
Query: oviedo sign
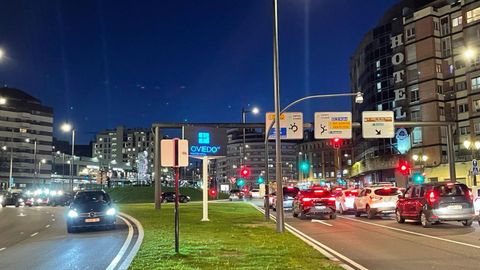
205, 141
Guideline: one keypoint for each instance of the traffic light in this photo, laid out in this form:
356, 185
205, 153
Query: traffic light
260, 180
322, 183
240, 182
418, 178
245, 172
305, 166
212, 192
404, 167
336, 142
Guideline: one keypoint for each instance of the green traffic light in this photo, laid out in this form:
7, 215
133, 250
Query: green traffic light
418, 178
240, 182
304, 166
260, 180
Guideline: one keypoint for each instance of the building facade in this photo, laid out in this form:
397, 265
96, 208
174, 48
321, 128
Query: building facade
423, 62
26, 127
321, 161
128, 146
228, 168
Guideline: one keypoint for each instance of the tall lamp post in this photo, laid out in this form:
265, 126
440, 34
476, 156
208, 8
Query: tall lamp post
472, 146
66, 127
255, 110
42, 161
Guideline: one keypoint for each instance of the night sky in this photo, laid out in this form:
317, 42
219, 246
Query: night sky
100, 64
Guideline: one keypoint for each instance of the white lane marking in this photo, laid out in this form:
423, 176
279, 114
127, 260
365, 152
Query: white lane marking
321, 222
325, 250
2, 249
414, 233
33, 234
126, 263
122, 251
21, 215
48, 225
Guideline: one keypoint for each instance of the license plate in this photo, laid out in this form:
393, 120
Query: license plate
455, 207
89, 220
320, 207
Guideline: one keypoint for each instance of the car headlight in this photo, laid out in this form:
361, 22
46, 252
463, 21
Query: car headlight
188, 197
53, 193
72, 213
111, 212
39, 200
60, 193
20, 200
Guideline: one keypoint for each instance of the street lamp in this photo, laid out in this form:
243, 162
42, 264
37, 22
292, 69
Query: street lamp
3, 101
66, 127
422, 159
27, 140
469, 53
255, 110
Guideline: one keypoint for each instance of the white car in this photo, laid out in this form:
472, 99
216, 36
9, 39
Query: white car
376, 200
255, 193
345, 199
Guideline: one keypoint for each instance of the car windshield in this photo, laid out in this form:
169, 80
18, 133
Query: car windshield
451, 190
96, 196
387, 191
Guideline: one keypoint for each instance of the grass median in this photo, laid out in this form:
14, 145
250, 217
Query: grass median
237, 237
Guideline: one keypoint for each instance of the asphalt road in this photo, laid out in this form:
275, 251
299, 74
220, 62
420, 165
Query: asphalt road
36, 238
382, 243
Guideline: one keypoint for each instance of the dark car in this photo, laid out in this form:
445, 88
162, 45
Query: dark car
314, 202
436, 202
289, 194
61, 199
12, 198
170, 197
91, 208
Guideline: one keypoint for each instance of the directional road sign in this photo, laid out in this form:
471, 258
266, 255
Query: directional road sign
330, 125
378, 124
291, 125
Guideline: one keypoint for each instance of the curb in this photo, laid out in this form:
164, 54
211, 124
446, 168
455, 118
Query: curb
133, 252
325, 250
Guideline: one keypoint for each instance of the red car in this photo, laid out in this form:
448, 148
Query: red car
314, 202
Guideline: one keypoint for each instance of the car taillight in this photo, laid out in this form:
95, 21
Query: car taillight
307, 201
470, 195
431, 197
375, 198
331, 199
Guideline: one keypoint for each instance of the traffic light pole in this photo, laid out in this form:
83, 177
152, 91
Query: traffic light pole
156, 168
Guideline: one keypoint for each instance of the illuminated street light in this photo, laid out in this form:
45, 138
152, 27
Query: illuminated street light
4, 148
66, 127
2, 53
469, 54
43, 161
255, 110
467, 144
3, 101
424, 158
477, 145
415, 157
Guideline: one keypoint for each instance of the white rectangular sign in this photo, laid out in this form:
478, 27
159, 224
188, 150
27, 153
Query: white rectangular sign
291, 125
168, 155
329, 125
378, 124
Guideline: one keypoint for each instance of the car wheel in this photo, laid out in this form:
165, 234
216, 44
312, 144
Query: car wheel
4, 205
302, 215
370, 213
17, 205
424, 220
70, 229
357, 213
399, 217
467, 223
333, 216
296, 215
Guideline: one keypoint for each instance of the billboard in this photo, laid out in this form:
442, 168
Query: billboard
206, 141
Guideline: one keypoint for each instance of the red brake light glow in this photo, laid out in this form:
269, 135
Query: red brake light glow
289, 187
306, 199
318, 191
331, 199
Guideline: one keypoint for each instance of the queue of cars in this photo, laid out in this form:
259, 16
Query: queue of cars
428, 203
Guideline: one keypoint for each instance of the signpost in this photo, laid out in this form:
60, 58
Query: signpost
474, 171
378, 124
329, 125
206, 143
174, 153
291, 125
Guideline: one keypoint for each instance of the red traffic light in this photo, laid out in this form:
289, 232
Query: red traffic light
212, 192
336, 142
404, 167
245, 172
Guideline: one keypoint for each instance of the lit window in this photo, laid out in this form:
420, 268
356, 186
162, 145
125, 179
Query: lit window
379, 86
476, 105
377, 64
417, 135
476, 83
457, 21
473, 15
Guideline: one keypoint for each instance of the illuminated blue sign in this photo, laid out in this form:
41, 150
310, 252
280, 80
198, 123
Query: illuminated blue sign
206, 141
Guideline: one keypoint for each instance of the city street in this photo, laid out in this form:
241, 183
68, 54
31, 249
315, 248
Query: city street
382, 243
36, 238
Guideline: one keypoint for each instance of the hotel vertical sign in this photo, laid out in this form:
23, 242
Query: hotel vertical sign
398, 60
